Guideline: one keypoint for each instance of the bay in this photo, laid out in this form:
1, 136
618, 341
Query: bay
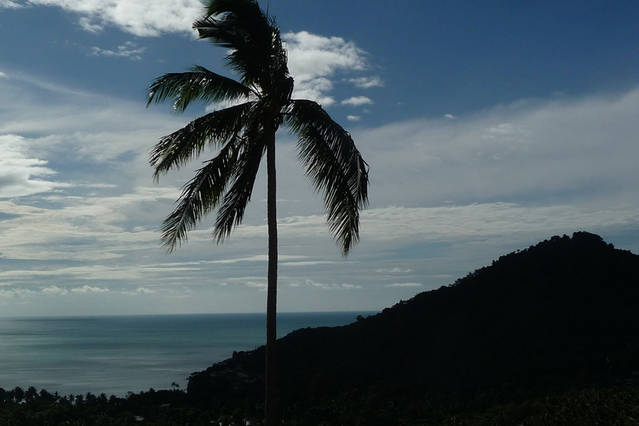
118, 354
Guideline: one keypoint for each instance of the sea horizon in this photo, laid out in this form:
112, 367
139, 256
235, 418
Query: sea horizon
117, 354
78, 316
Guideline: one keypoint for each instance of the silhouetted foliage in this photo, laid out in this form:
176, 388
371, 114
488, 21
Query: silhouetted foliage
559, 314
243, 134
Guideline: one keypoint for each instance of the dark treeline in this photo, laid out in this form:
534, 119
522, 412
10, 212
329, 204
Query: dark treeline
557, 316
586, 406
546, 335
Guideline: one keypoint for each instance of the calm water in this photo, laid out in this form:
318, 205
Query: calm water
131, 353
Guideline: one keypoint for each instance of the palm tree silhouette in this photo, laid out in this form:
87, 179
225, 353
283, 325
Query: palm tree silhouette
243, 133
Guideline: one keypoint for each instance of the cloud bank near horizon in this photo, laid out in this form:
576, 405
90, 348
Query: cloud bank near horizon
78, 211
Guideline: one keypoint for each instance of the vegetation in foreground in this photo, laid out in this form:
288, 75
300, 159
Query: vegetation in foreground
614, 405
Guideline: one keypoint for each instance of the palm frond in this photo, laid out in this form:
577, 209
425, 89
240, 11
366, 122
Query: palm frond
198, 84
179, 147
231, 212
304, 115
247, 10
200, 195
242, 27
335, 165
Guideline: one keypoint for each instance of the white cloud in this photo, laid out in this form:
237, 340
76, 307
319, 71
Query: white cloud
313, 60
315, 90
450, 116
256, 258
54, 290
394, 270
79, 228
513, 174
309, 263
225, 104
532, 151
325, 286
405, 285
21, 172
16, 292
89, 289
400, 226
93, 185
3, 75
128, 50
350, 286
140, 17
367, 82
353, 117
70, 125
9, 4
89, 25
140, 291
357, 101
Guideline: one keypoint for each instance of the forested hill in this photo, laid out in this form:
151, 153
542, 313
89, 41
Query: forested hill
560, 313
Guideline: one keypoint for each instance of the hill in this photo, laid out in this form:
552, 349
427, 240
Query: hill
559, 315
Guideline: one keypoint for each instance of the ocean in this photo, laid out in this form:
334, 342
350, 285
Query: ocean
118, 354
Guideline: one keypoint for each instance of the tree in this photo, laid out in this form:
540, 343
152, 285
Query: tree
243, 133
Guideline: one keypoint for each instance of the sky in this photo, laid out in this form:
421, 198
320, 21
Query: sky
488, 126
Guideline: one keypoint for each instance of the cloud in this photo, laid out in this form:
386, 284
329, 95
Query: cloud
314, 59
450, 116
412, 285
357, 101
86, 126
79, 228
9, 4
89, 25
89, 289
16, 293
353, 117
140, 291
315, 90
3, 75
20, 169
394, 270
331, 286
54, 290
256, 258
309, 263
534, 152
140, 17
452, 223
367, 82
128, 50
452, 193
225, 104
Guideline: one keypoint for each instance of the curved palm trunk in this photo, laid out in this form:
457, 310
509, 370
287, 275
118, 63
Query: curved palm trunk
272, 400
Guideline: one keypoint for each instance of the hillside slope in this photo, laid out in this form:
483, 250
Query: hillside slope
561, 313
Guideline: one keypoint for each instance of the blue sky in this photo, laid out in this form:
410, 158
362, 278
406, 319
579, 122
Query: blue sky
488, 127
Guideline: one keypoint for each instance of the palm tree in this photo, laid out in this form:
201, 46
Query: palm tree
243, 133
